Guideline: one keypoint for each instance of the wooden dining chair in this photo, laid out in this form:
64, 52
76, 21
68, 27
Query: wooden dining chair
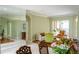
24, 50
43, 48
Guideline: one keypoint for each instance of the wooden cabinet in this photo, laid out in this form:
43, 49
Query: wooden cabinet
24, 35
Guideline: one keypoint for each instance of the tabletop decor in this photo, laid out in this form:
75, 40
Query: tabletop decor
63, 46
60, 49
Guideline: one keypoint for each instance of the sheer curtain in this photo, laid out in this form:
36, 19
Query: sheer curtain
69, 24
61, 25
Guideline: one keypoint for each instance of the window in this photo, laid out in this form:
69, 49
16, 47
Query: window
61, 25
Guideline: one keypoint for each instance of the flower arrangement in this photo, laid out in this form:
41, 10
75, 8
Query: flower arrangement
63, 46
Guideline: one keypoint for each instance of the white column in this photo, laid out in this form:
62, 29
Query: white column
10, 25
76, 25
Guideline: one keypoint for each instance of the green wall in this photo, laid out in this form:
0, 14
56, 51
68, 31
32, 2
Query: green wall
3, 24
37, 24
16, 27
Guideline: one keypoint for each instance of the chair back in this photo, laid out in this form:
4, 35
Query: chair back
24, 50
43, 48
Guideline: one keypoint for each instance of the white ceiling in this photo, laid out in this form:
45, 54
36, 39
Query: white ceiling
6, 10
48, 10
